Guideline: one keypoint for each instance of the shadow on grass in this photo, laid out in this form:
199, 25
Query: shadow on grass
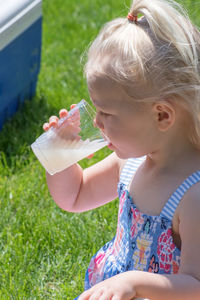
21, 130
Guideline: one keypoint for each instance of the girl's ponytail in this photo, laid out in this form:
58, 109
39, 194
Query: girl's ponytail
169, 22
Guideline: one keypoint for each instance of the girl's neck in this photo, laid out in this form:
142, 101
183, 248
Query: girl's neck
179, 153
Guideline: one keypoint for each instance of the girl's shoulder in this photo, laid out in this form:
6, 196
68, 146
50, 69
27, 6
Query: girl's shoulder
189, 230
190, 204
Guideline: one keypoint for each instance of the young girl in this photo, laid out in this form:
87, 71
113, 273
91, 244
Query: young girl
143, 77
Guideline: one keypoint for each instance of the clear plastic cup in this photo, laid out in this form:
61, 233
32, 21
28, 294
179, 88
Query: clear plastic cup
73, 139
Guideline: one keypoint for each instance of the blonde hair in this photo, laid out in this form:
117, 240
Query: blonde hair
155, 58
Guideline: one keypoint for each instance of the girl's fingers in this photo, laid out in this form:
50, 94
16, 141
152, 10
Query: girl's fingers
46, 126
85, 295
100, 295
72, 106
53, 120
63, 113
115, 297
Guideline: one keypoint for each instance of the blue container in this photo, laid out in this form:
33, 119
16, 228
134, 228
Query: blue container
20, 53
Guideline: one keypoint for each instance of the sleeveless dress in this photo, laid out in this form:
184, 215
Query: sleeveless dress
142, 242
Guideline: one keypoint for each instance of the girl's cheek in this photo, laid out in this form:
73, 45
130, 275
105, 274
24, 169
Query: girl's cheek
99, 122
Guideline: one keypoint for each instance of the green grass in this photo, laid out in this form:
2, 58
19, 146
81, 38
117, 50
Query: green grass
44, 251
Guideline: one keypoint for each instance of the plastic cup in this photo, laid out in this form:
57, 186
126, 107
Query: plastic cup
73, 139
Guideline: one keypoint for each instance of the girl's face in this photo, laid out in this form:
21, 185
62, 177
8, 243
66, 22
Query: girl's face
130, 126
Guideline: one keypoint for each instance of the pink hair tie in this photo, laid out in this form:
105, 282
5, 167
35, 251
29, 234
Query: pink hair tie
132, 18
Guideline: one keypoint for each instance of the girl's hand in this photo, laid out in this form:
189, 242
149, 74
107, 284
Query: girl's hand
53, 120
119, 287
67, 129
70, 128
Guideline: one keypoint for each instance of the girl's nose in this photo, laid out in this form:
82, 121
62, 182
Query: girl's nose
98, 122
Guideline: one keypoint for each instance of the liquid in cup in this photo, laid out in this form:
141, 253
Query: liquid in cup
75, 138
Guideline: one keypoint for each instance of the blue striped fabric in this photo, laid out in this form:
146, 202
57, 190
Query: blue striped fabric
129, 169
168, 211
171, 205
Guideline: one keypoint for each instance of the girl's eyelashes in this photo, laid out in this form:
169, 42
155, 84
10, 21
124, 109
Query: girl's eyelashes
103, 113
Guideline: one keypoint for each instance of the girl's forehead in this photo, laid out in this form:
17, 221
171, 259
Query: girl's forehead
98, 82
106, 91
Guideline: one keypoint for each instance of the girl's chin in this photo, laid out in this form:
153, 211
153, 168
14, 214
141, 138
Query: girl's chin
117, 151
113, 148
123, 154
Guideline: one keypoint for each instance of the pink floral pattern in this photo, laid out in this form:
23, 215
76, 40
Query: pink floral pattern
137, 222
142, 242
165, 250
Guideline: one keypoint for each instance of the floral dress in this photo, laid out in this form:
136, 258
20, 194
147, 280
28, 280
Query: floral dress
142, 242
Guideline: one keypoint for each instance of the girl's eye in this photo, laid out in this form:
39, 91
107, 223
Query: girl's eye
104, 114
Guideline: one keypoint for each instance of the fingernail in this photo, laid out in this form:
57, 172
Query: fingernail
46, 126
72, 106
63, 113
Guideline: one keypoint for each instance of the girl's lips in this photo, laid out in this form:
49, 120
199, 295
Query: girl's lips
110, 146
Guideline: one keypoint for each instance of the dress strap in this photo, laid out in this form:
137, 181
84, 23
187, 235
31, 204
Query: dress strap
129, 169
173, 202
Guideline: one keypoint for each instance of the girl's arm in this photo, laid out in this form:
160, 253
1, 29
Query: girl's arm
138, 284
166, 287
78, 190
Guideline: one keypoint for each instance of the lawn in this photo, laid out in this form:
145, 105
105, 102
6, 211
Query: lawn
44, 251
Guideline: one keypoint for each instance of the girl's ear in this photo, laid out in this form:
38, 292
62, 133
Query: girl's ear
164, 114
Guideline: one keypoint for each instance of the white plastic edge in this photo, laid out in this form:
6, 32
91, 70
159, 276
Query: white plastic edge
19, 23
